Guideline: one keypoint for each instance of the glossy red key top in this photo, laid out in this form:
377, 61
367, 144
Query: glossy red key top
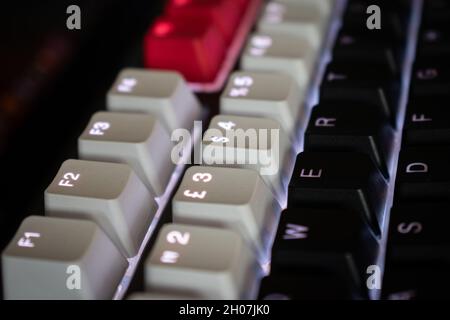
194, 47
225, 14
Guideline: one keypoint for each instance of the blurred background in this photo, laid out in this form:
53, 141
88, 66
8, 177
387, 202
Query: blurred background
51, 81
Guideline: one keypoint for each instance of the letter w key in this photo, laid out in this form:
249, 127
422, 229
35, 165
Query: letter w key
294, 232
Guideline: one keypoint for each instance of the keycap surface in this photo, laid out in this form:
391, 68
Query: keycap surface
208, 196
264, 94
351, 127
275, 53
59, 259
161, 93
245, 142
109, 194
135, 139
426, 123
213, 263
346, 180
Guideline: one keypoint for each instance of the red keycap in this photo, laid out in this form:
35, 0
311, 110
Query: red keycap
224, 13
194, 47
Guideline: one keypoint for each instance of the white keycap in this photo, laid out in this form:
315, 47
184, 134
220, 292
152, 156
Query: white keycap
281, 53
110, 194
263, 94
213, 263
306, 20
136, 139
53, 258
259, 144
162, 93
209, 196
325, 6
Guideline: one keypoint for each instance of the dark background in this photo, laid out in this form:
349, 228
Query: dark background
51, 81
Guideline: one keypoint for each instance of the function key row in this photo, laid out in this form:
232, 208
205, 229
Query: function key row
332, 233
108, 197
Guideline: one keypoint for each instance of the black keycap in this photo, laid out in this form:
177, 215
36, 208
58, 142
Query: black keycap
415, 281
418, 253
430, 77
331, 241
346, 180
424, 174
350, 127
419, 232
356, 45
434, 39
373, 85
306, 285
427, 122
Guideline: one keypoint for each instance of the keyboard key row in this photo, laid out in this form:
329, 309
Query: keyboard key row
275, 52
99, 209
308, 20
351, 127
266, 94
329, 238
417, 251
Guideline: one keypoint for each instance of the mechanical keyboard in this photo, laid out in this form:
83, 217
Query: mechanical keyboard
241, 149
